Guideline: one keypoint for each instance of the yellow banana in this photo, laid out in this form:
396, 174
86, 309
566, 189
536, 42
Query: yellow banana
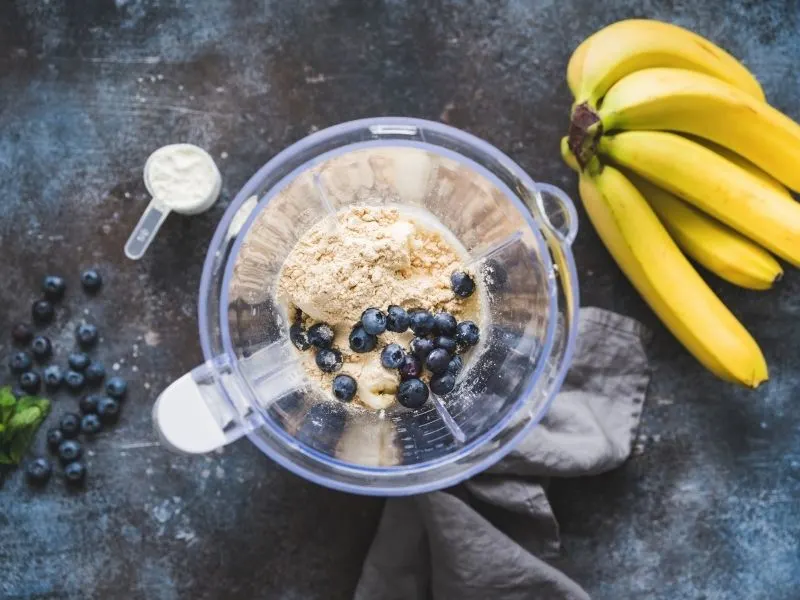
666, 280
717, 247
713, 184
628, 46
681, 100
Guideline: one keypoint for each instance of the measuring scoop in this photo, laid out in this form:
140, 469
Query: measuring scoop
181, 178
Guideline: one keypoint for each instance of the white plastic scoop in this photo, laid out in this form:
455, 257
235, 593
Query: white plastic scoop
181, 178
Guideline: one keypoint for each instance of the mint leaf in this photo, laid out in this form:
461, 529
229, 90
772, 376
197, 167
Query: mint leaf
25, 418
7, 403
20, 427
19, 445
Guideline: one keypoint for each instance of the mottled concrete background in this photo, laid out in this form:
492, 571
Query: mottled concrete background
708, 508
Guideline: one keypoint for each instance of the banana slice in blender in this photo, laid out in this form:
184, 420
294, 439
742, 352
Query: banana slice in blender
377, 385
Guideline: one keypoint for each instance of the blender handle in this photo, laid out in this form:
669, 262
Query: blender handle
556, 209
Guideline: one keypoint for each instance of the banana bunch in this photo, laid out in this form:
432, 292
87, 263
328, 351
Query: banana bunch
680, 157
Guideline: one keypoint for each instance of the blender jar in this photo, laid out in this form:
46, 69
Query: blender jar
517, 234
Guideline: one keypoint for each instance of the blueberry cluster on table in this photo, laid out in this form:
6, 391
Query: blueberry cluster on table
437, 347
97, 410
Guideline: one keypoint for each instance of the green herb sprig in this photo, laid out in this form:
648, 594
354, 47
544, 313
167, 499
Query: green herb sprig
19, 420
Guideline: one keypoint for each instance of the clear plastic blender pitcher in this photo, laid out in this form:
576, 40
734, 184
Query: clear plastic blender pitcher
518, 235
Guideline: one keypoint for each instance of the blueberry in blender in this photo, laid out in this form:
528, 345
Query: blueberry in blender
95, 373
462, 284
74, 381
42, 312
30, 382
86, 334
22, 333
443, 384
412, 393
53, 377
78, 361
437, 361
421, 347
421, 322
411, 367
328, 360
117, 388
373, 321
299, 337
91, 280
69, 451
344, 387
75, 473
446, 343
467, 333
444, 324
41, 348
20, 362
320, 335
361, 341
397, 319
38, 471
392, 356
54, 287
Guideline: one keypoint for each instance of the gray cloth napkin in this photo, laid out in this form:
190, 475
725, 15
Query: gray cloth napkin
492, 536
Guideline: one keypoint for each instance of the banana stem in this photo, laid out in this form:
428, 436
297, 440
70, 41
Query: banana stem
585, 129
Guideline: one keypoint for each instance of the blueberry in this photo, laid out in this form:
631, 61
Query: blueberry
444, 324
20, 362
344, 387
117, 388
88, 404
421, 322
397, 319
75, 473
373, 321
299, 337
30, 382
455, 366
38, 471
443, 384
69, 451
53, 377
392, 356
437, 361
410, 367
446, 343
412, 393
90, 424
86, 334
329, 360
22, 333
467, 333
78, 361
70, 425
42, 312
421, 347
74, 381
54, 438
54, 287
108, 410
320, 335
42, 348
95, 373
462, 284
91, 280
361, 341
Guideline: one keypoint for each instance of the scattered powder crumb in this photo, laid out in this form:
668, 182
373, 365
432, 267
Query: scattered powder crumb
205, 473
148, 471
146, 385
219, 472
140, 79
115, 366
127, 194
135, 369
106, 229
162, 513
151, 338
152, 79
220, 89
223, 155
142, 99
186, 535
86, 311
180, 87
159, 77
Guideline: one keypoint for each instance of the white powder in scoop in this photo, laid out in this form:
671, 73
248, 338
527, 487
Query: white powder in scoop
182, 176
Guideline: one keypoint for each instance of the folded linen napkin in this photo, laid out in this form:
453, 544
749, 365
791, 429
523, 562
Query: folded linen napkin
491, 537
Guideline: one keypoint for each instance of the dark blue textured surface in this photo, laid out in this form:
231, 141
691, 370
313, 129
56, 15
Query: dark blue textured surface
708, 508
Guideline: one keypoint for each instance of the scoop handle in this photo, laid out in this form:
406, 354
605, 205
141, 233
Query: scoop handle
146, 229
